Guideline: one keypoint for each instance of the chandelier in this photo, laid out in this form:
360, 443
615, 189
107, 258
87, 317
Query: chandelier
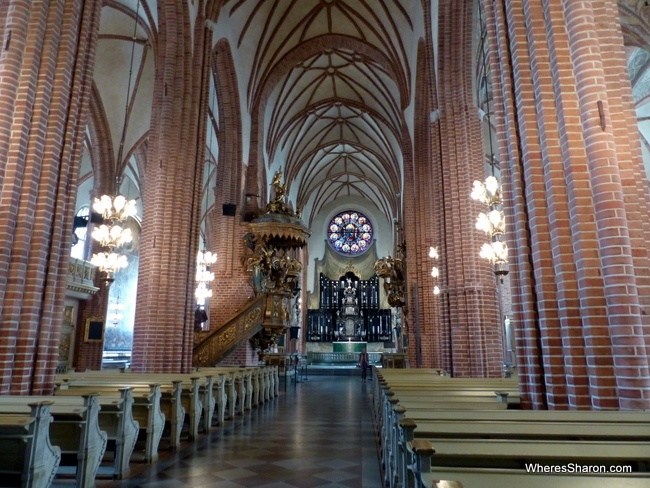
435, 272
112, 236
115, 313
109, 263
115, 209
204, 276
489, 193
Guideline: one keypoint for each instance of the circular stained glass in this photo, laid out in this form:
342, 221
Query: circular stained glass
350, 232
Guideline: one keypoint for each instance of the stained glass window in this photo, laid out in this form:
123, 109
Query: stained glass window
350, 232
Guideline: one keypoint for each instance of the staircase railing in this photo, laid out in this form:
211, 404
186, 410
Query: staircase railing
243, 325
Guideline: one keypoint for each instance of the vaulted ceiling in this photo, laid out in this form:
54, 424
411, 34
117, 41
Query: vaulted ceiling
331, 82
328, 85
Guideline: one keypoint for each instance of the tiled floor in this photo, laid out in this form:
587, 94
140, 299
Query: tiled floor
318, 433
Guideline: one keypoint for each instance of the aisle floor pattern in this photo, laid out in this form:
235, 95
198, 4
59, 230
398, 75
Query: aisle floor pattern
317, 434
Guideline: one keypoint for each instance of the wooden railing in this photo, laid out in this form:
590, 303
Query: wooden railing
216, 344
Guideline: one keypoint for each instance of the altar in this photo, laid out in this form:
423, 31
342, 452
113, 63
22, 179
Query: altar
349, 346
348, 311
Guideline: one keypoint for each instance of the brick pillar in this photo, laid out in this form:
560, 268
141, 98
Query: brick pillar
581, 336
46, 67
164, 319
423, 220
469, 300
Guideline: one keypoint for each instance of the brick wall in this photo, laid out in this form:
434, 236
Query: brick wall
572, 174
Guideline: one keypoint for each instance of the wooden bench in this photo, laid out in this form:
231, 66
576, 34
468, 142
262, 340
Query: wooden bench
389, 428
510, 444
197, 393
74, 429
116, 419
182, 394
427, 390
28, 457
418, 381
457, 459
146, 410
170, 400
252, 386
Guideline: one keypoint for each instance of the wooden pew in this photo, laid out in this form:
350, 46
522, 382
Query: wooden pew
259, 386
426, 390
170, 400
146, 410
75, 429
184, 393
197, 392
389, 428
508, 444
455, 459
116, 419
28, 457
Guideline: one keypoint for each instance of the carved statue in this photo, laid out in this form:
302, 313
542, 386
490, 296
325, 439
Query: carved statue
392, 271
270, 271
278, 203
279, 188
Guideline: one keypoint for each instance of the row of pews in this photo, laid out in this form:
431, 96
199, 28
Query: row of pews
436, 431
116, 418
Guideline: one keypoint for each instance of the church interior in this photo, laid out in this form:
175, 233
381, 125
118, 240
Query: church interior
209, 208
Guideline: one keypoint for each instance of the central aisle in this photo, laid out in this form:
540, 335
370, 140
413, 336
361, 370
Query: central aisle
317, 434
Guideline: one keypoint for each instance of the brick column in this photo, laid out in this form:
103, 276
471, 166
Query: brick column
580, 333
46, 65
470, 309
626, 325
164, 319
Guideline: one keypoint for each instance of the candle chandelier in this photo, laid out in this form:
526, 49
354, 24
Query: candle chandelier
205, 259
492, 220
204, 276
115, 209
112, 234
435, 272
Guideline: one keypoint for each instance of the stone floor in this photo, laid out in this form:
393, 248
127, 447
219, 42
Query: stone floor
317, 434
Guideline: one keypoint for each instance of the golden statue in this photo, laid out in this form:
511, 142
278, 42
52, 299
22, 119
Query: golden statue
278, 204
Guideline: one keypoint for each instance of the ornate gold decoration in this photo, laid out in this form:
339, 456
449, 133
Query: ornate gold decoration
219, 342
278, 203
64, 347
349, 269
393, 272
273, 272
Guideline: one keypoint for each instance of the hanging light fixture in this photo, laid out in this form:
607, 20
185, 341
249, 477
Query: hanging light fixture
205, 259
435, 272
489, 193
115, 312
109, 263
116, 209
204, 276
